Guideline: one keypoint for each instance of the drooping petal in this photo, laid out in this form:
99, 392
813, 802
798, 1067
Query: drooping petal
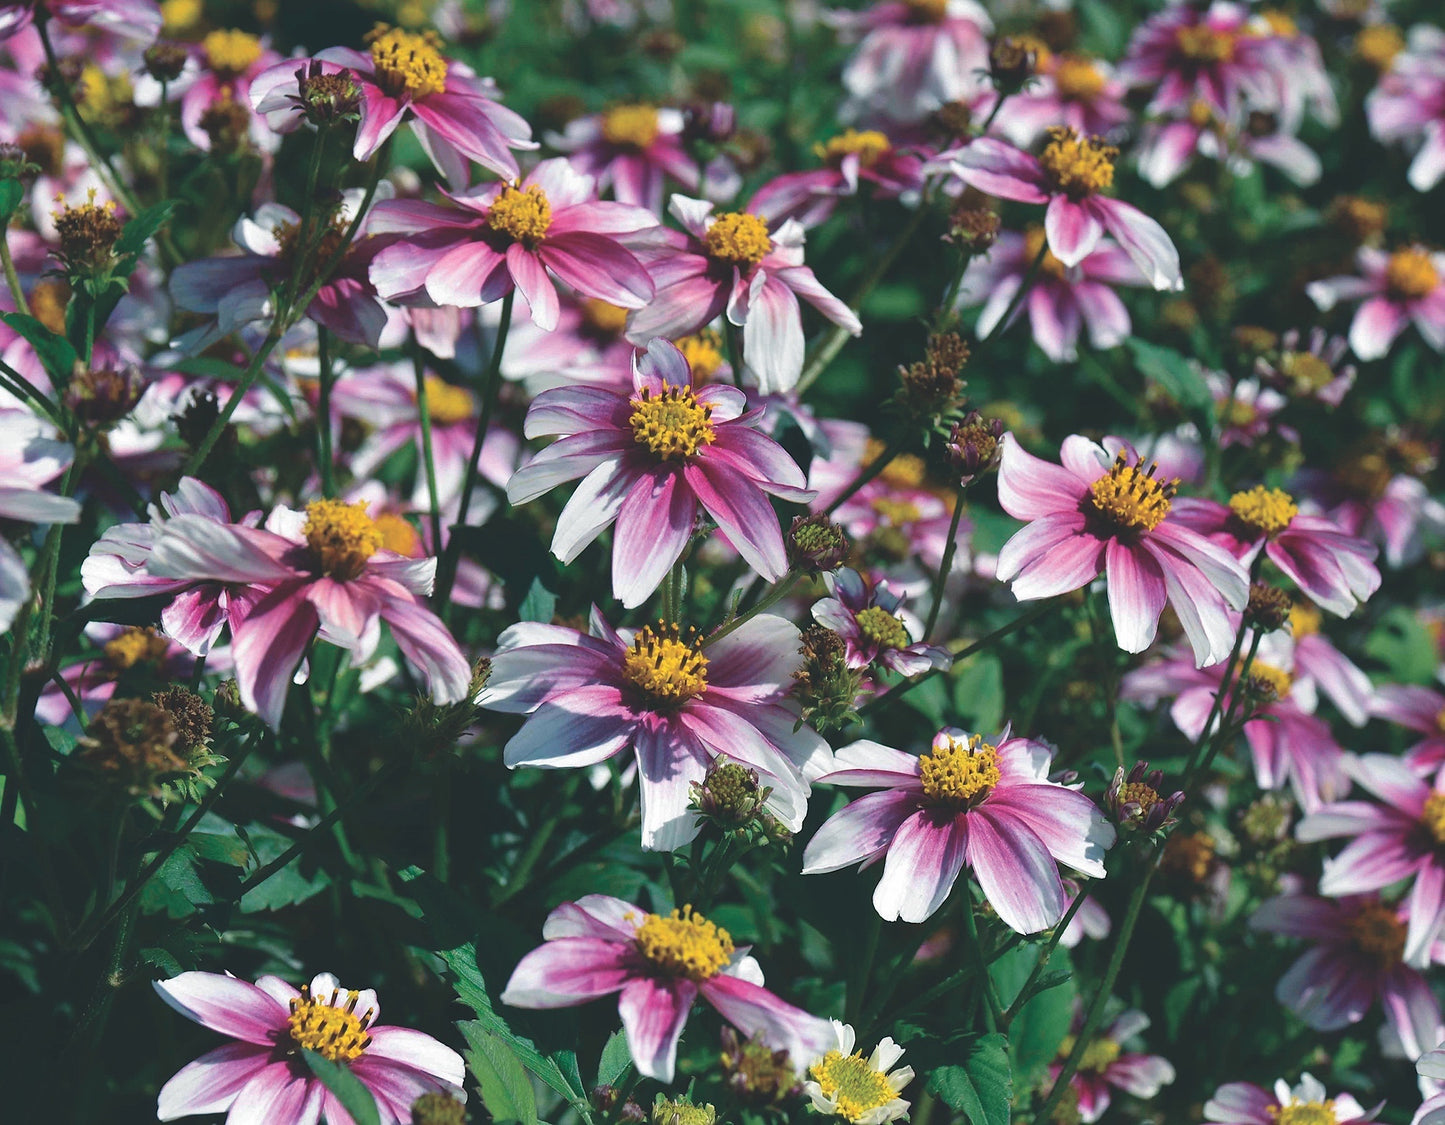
1018, 875
565, 972
923, 861
654, 1013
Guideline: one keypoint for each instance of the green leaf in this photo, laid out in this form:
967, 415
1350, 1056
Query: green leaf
288, 886
982, 1087
978, 693
1041, 1024
350, 1091
176, 889
140, 230
54, 352
1402, 643
539, 604
502, 1079
616, 1058
1181, 379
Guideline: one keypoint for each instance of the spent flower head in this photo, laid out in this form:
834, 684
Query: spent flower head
816, 544
1135, 801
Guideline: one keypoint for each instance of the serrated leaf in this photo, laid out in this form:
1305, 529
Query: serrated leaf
286, 887
539, 604
350, 1091
501, 1078
1172, 371
982, 1087
54, 352
616, 1058
136, 233
219, 848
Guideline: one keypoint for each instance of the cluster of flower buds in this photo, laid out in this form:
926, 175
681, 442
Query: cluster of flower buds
438, 1109
1269, 608
816, 544
1135, 802
681, 1111
756, 1074
326, 99
731, 798
973, 445
931, 389
825, 685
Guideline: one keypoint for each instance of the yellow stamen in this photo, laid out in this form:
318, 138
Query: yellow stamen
853, 1082
101, 94
895, 512
1304, 1113
1136, 792
1376, 931
1280, 23
1035, 240
398, 535
1078, 166
1098, 1056
878, 625
448, 404
342, 537
672, 425
664, 667
957, 771
1077, 79
1378, 45
1265, 511
407, 64
1307, 371
1205, 44
630, 126
180, 15
703, 352
1410, 274
1131, 499
869, 146
330, 1027
230, 52
739, 238
1304, 618
604, 318
1268, 682
522, 214
135, 646
684, 944
1433, 816
907, 470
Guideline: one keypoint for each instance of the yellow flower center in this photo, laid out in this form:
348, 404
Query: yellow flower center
446, 403
1378, 45
894, 512
1365, 474
630, 126
703, 352
877, 624
1304, 618
1205, 44
1201, 114
1377, 932
664, 667
135, 646
1265, 511
927, 11
329, 1028
604, 318
907, 470
1077, 79
869, 146
1130, 498
1268, 682
672, 425
1035, 240
1307, 371
1189, 856
684, 944
1304, 1113
1145, 796
1280, 23
1433, 816
1410, 274
522, 214
230, 51
853, 1082
407, 63
1099, 1055
738, 238
342, 537
1077, 166
398, 535
957, 772
101, 93
179, 15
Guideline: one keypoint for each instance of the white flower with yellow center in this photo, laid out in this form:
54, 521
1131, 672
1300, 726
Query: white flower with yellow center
861, 1090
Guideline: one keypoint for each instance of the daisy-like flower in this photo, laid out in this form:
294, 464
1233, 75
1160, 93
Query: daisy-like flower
1244, 1103
262, 1076
737, 263
1205, 53
1168, 146
1409, 104
29, 460
1069, 176
1064, 300
404, 77
1068, 89
649, 460
851, 158
1420, 709
232, 60
1312, 372
1316, 656
1336, 570
914, 55
1245, 409
862, 1091
677, 706
1399, 289
1106, 1066
1356, 960
630, 149
659, 964
1095, 514
1398, 839
965, 802
874, 628
492, 239
322, 572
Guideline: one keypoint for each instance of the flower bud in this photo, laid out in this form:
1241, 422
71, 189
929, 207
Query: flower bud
816, 544
713, 122
1269, 607
15, 169
931, 388
87, 235
603, 1098
227, 700
190, 714
973, 229
631, 1113
1012, 61
438, 1109
1135, 802
227, 125
729, 794
327, 99
103, 396
165, 61
825, 685
681, 1111
132, 743
757, 1075
973, 446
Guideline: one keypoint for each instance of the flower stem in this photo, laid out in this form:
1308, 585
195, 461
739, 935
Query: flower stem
975, 945
1026, 992
875, 467
950, 548
428, 459
12, 278
323, 411
775, 594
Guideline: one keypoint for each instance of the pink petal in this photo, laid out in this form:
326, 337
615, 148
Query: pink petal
924, 859
654, 1013
654, 523
1372, 861
430, 648
1030, 488
1069, 824
267, 647
743, 514
568, 971
753, 1010
1018, 875
537, 288
1073, 230
211, 1083
1136, 595
277, 1096
858, 832
1377, 322
669, 760
233, 1007
598, 266
585, 726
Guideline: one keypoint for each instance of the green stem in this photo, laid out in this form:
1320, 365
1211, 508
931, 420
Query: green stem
776, 593
876, 466
950, 548
428, 459
193, 464
1226, 726
1226, 682
1026, 993
323, 411
163, 173
50, 561
25, 389
735, 351
536, 846
12, 278
858, 979
975, 945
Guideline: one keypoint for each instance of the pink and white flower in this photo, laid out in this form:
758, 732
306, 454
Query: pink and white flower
320, 573
1314, 371
630, 149
1397, 839
1419, 709
648, 461
232, 61
262, 1076
29, 459
752, 270
1397, 290
1064, 300
1106, 1066
990, 807
1244, 1103
1068, 89
874, 627
489, 240
1069, 177
1366, 497
852, 158
675, 701
1409, 104
660, 965
1210, 54
130, 19
1095, 515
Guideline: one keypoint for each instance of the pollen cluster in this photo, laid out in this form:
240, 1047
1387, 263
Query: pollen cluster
1268, 683
853, 1082
1304, 1113
1433, 816
1077, 166
672, 425
407, 63
448, 404
522, 214
1411, 274
630, 126
137, 645
684, 944
1077, 79
330, 1027
738, 238
1205, 44
342, 537
229, 51
1265, 511
956, 772
1377, 932
703, 352
663, 666
878, 625
1131, 498
869, 145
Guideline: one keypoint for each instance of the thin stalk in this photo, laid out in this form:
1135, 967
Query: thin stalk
975, 945
12, 278
950, 548
1196, 754
1025, 993
163, 173
428, 459
735, 351
875, 467
1226, 725
858, 980
50, 561
536, 846
1025, 285
323, 411
779, 590
27, 390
